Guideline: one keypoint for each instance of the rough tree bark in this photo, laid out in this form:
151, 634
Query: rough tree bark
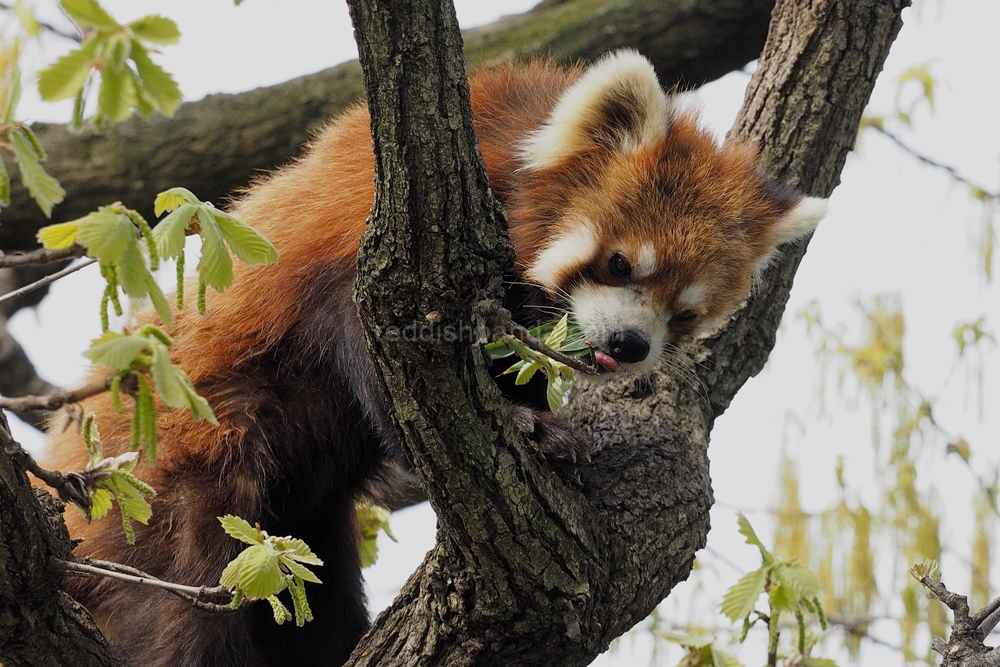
40, 625
529, 569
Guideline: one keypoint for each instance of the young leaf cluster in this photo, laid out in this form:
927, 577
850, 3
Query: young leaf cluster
188, 215
563, 336
701, 650
18, 140
134, 356
129, 79
113, 479
267, 567
791, 588
121, 241
371, 520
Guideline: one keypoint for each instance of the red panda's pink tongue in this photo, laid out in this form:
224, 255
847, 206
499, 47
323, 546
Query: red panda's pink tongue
606, 361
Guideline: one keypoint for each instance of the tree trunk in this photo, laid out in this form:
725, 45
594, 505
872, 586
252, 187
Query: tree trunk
39, 624
529, 569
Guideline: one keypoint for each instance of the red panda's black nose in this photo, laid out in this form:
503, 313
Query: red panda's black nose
628, 346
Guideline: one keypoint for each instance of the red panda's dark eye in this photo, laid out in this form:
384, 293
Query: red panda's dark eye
619, 267
684, 317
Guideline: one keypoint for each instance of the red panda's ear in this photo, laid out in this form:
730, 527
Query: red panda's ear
798, 220
617, 104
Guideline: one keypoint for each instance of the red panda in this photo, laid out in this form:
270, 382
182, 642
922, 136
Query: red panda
621, 210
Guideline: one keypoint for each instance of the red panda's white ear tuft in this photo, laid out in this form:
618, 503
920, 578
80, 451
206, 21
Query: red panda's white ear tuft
617, 104
798, 221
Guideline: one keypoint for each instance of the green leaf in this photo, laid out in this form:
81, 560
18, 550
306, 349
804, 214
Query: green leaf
106, 233
558, 333
89, 14
27, 19
372, 520
155, 29
117, 95
231, 574
302, 571
690, 639
747, 531
246, 242
818, 662
170, 199
723, 659
116, 351
740, 599
66, 76
259, 575
215, 266
782, 598
100, 504
4, 185
239, 529
10, 91
159, 299
55, 237
171, 232
157, 85
44, 189
297, 550
167, 379
797, 577
526, 372
555, 393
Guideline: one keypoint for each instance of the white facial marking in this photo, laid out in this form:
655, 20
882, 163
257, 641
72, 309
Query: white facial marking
692, 297
601, 310
572, 249
645, 262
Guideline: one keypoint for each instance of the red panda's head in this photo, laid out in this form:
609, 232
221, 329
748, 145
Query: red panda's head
654, 233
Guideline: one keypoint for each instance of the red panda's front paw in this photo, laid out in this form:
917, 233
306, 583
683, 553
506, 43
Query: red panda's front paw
552, 437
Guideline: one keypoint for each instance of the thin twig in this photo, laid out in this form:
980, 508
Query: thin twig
952, 171
78, 38
71, 487
987, 618
51, 278
196, 595
522, 334
57, 399
41, 256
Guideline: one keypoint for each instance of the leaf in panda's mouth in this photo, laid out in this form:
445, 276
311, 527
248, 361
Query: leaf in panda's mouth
561, 336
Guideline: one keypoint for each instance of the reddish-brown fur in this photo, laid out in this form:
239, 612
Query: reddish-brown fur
282, 362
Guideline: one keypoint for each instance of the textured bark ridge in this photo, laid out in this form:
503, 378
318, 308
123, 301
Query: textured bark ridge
531, 568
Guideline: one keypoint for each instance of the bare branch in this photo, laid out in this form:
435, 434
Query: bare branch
57, 399
41, 256
951, 171
987, 618
196, 595
77, 37
47, 280
964, 647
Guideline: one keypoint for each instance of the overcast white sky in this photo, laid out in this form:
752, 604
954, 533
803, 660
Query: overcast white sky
895, 227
